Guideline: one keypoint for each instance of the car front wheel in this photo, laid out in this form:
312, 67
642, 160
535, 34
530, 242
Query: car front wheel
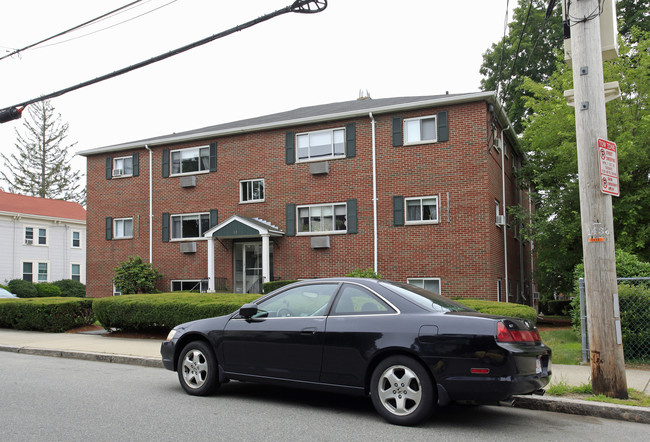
402, 391
197, 369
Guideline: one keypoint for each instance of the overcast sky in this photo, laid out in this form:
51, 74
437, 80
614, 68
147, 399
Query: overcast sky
389, 48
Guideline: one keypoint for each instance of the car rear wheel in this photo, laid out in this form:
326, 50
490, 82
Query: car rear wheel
402, 390
197, 369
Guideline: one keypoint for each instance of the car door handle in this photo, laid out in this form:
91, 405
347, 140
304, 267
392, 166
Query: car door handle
308, 331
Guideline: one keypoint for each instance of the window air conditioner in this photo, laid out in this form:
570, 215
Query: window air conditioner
501, 220
118, 172
29, 242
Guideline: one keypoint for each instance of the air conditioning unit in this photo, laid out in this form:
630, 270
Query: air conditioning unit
501, 220
118, 172
29, 242
188, 247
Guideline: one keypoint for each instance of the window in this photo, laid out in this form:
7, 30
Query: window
28, 271
251, 191
323, 218
192, 160
431, 284
123, 166
422, 210
34, 235
42, 272
76, 239
355, 300
420, 130
75, 272
190, 285
123, 228
190, 226
321, 144
306, 300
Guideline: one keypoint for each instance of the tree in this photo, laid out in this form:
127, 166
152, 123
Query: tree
551, 166
135, 276
41, 167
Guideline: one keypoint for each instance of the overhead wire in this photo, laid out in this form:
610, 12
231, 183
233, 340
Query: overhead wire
514, 63
74, 28
505, 29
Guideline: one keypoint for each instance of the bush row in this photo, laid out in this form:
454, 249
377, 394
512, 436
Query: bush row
64, 287
500, 308
46, 314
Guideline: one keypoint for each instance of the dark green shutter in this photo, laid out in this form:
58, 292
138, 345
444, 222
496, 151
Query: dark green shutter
214, 217
352, 216
290, 148
351, 140
397, 132
165, 227
213, 157
398, 210
109, 168
165, 163
136, 164
443, 126
109, 228
291, 220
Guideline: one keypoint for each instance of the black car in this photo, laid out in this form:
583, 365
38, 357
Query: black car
408, 348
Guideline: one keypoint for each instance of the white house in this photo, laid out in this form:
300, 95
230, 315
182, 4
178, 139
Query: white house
42, 240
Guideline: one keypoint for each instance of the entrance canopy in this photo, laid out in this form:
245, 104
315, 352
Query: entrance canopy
237, 227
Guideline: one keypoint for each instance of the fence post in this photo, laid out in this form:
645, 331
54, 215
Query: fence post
583, 321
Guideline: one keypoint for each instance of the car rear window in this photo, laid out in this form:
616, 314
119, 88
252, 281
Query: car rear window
425, 298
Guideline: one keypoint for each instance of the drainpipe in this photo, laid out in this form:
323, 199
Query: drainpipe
146, 146
505, 227
374, 192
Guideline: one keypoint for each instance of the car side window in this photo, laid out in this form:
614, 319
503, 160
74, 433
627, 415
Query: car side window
355, 300
305, 300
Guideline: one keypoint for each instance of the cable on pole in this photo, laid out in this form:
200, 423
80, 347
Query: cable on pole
298, 6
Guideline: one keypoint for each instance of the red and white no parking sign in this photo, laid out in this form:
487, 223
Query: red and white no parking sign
608, 159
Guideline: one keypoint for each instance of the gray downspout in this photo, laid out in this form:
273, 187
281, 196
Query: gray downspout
146, 146
374, 195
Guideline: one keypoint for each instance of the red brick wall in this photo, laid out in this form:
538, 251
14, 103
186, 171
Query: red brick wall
465, 249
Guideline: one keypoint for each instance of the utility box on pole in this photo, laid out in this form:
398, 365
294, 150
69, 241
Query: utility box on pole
605, 343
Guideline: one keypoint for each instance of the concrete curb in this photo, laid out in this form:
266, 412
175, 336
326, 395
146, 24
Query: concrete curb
584, 408
86, 356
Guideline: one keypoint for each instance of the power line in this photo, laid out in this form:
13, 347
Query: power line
514, 63
17, 51
503, 45
298, 6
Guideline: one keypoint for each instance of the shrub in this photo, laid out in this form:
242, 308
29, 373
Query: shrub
164, 311
45, 314
501, 308
22, 289
559, 307
71, 288
135, 276
361, 273
268, 287
47, 290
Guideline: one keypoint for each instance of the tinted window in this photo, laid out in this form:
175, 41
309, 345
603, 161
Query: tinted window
306, 300
355, 300
425, 298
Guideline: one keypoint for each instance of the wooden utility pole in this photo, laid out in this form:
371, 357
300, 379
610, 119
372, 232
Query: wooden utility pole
605, 341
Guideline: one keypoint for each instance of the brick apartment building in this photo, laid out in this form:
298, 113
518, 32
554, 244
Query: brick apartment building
413, 187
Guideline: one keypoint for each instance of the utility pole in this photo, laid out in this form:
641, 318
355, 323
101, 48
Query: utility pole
605, 341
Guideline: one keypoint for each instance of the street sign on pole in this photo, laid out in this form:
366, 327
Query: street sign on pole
608, 159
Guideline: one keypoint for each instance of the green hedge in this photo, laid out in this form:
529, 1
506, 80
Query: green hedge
165, 310
500, 308
46, 314
47, 290
268, 287
22, 289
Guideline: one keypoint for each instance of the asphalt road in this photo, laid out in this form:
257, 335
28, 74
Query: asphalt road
57, 399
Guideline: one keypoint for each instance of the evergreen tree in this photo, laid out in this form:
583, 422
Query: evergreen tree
41, 166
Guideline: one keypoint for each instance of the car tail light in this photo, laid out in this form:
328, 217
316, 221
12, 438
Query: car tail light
505, 335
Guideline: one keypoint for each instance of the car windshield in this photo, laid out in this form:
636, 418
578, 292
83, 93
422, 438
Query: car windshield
425, 298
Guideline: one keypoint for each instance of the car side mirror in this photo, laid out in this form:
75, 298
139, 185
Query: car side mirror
247, 311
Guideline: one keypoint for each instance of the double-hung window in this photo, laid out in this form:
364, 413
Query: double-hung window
431, 284
322, 218
322, 144
192, 160
36, 270
35, 235
75, 272
251, 191
123, 228
123, 166
76, 239
192, 225
421, 210
420, 130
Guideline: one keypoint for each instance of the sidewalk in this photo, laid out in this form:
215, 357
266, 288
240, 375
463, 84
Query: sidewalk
146, 352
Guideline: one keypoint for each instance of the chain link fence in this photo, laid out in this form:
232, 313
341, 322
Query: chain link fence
634, 313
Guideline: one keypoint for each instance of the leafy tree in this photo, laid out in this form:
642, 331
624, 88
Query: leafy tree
41, 167
135, 276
